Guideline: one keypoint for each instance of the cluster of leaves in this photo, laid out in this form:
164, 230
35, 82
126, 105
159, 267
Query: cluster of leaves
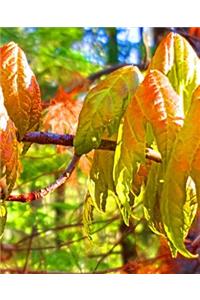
158, 109
20, 110
161, 110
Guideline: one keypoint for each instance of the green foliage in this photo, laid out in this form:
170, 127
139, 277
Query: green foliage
159, 103
103, 108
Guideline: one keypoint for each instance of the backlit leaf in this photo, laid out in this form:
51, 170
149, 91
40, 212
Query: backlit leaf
104, 106
151, 199
129, 152
176, 58
88, 208
141, 176
162, 108
100, 182
20, 89
173, 197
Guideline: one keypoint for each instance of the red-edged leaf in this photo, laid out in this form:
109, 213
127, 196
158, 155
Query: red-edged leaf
20, 89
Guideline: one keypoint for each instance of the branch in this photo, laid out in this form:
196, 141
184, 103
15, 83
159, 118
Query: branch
67, 140
64, 140
49, 189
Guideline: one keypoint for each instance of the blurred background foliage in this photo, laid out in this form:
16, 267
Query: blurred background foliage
48, 236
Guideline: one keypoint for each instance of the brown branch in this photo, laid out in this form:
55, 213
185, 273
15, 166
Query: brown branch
49, 189
67, 140
64, 140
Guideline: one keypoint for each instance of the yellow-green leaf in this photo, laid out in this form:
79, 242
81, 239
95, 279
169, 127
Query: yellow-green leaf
3, 217
130, 150
176, 58
104, 106
20, 89
88, 208
100, 182
151, 199
173, 197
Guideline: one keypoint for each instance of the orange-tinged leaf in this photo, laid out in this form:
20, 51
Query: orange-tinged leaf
179, 168
9, 154
176, 58
140, 177
162, 108
62, 113
20, 89
104, 107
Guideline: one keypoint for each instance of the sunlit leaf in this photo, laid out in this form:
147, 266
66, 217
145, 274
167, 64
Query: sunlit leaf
176, 58
104, 106
88, 208
130, 150
173, 197
151, 199
162, 107
20, 89
100, 182
141, 176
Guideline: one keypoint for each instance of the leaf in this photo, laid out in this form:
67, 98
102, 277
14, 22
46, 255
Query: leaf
175, 58
151, 201
130, 150
162, 108
173, 197
9, 154
88, 208
141, 176
3, 217
155, 101
20, 89
100, 182
104, 106
191, 204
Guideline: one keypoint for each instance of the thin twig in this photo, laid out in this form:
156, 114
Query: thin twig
32, 196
